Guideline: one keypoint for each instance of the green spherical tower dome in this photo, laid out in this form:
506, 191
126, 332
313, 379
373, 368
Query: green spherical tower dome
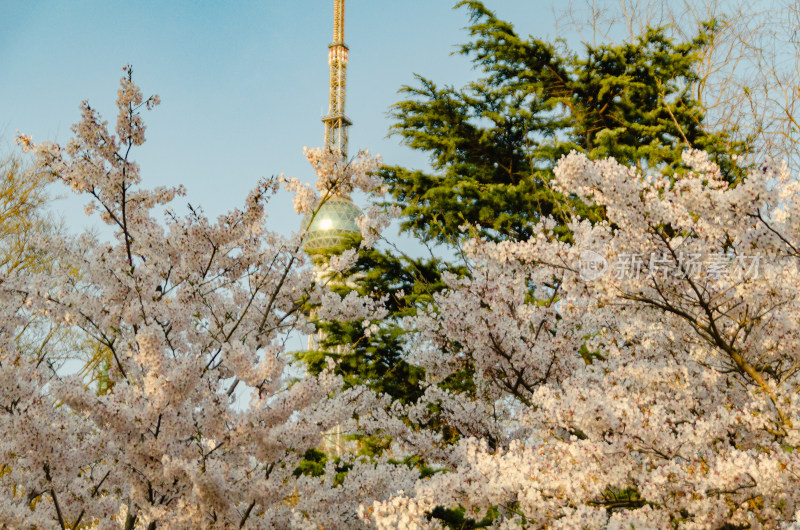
333, 223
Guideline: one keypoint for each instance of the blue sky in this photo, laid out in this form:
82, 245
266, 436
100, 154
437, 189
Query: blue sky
243, 84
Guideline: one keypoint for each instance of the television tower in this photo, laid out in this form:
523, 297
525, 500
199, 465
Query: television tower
335, 220
336, 122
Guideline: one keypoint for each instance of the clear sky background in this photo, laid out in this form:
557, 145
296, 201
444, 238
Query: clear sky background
243, 84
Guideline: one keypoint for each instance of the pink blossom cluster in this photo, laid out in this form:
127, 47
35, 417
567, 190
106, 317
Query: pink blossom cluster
189, 313
657, 401
341, 176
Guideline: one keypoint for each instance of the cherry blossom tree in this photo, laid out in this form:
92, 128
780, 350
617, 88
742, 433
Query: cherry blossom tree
190, 312
643, 374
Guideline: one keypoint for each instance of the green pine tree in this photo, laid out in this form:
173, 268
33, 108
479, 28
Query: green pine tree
493, 144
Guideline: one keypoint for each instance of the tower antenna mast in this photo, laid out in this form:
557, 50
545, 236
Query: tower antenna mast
336, 122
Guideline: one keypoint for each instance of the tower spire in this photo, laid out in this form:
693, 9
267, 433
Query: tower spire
336, 122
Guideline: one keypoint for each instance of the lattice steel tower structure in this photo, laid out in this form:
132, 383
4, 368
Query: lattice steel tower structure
336, 122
